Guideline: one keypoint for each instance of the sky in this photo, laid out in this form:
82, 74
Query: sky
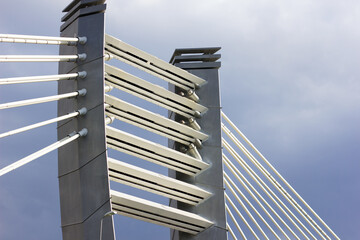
289, 80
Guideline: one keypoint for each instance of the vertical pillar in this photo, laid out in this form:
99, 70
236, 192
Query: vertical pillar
203, 62
82, 165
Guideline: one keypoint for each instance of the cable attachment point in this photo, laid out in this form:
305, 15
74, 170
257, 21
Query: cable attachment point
82, 74
82, 92
83, 132
82, 111
82, 40
82, 56
192, 151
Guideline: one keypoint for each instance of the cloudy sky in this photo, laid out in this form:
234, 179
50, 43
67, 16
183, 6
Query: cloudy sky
289, 80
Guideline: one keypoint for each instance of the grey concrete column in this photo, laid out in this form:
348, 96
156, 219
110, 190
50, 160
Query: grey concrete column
203, 63
83, 171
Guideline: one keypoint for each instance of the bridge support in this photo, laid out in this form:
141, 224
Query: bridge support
83, 171
202, 62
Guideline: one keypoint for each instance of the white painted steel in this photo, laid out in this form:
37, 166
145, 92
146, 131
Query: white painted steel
276, 184
153, 152
240, 176
248, 212
235, 222
152, 64
38, 100
39, 153
40, 124
150, 121
36, 79
251, 192
263, 185
149, 91
152, 212
231, 232
156, 183
15, 38
38, 58
280, 176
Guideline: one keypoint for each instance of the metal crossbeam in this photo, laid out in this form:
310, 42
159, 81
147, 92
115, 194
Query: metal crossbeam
156, 183
153, 152
152, 93
151, 64
148, 211
150, 121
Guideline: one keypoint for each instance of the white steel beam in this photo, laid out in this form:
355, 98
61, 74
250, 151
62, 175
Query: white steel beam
15, 38
151, 92
151, 64
153, 152
153, 122
156, 183
152, 212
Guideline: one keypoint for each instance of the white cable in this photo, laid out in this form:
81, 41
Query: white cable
31, 157
81, 92
16, 38
258, 202
42, 58
227, 180
235, 222
275, 183
228, 162
239, 159
241, 216
231, 232
246, 210
47, 78
280, 176
40, 124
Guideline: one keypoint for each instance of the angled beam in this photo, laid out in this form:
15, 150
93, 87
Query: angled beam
150, 121
153, 152
151, 64
148, 211
156, 183
151, 92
